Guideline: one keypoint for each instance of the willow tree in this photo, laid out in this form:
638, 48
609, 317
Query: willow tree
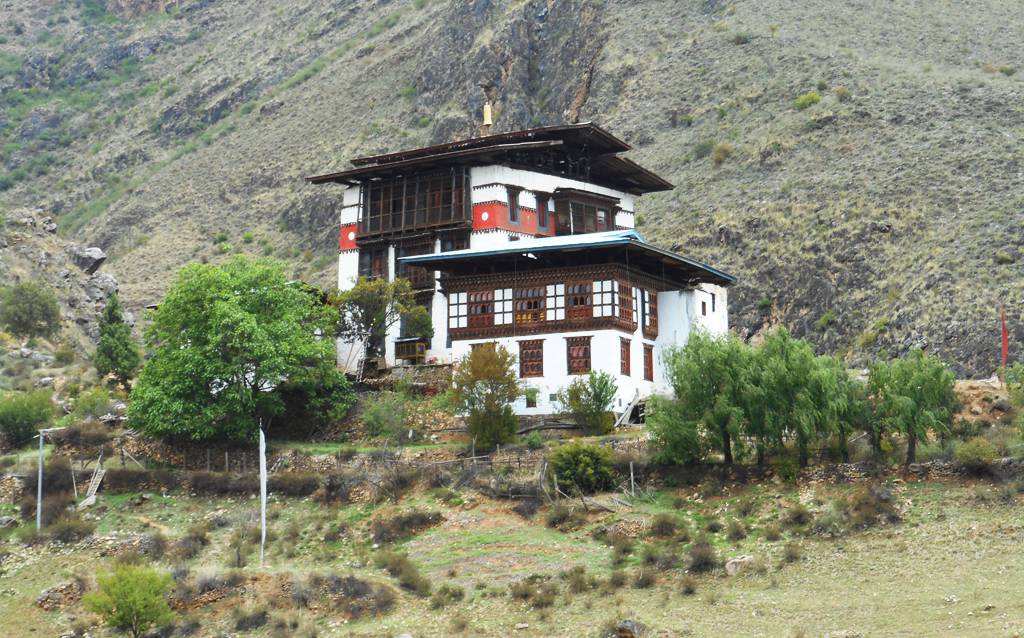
913, 396
709, 378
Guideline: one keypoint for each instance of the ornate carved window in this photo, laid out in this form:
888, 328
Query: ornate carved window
481, 309
531, 358
529, 304
625, 353
579, 298
578, 352
373, 262
626, 310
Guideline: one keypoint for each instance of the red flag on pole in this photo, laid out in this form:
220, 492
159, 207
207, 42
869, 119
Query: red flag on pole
1006, 335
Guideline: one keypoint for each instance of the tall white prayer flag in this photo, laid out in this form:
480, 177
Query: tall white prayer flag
263, 494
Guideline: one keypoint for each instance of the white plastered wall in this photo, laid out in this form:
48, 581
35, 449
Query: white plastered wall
533, 181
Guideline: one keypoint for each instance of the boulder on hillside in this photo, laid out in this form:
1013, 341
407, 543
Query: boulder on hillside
100, 287
627, 629
88, 259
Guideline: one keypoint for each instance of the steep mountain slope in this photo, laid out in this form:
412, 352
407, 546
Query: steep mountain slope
885, 216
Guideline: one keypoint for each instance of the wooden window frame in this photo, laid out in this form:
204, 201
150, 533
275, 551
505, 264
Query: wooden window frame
513, 203
648, 362
578, 355
579, 299
625, 355
377, 266
531, 358
530, 305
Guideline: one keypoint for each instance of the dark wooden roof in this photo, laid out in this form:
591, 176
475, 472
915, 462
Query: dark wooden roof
588, 140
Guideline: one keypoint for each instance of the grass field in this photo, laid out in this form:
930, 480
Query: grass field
951, 567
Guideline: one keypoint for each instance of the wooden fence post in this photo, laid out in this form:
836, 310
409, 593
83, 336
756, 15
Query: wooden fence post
207, 459
226, 466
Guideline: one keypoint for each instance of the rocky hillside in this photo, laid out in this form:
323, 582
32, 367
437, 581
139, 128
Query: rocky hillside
882, 212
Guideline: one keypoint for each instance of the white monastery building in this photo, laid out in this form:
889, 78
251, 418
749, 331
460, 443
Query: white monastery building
525, 239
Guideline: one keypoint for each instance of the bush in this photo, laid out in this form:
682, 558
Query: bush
399, 566
797, 516
293, 483
132, 599
23, 413
535, 441
588, 401
69, 529
563, 517
385, 414
720, 153
193, 542
580, 468
645, 578
791, 552
578, 580
249, 620
133, 480
389, 530
664, 525
976, 455
713, 525
29, 310
56, 478
806, 100
772, 533
89, 434
703, 148
702, 557
842, 93
622, 547
445, 595
870, 506
735, 531
689, 585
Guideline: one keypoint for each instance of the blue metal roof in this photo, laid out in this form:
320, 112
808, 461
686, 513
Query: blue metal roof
626, 238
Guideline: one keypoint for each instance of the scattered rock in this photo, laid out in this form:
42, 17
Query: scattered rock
44, 382
100, 286
1000, 405
61, 596
88, 259
739, 565
627, 629
522, 625
7, 521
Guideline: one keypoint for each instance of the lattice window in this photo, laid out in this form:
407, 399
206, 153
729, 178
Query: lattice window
530, 304
579, 299
578, 352
458, 310
481, 308
625, 354
649, 312
503, 307
649, 362
625, 302
531, 358
606, 298
555, 306
373, 262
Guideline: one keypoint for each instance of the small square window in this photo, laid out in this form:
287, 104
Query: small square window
531, 400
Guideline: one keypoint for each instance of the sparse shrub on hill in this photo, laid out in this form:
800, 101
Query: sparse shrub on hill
702, 556
399, 566
563, 517
29, 310
664, 525
22, 414
976, 455
132, 599
385, 414
293, 483
870, 506
842, 93
446, 595
721, 152
394, 528
806, 100
581, 468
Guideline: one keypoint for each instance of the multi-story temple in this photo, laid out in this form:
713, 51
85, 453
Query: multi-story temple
526, 239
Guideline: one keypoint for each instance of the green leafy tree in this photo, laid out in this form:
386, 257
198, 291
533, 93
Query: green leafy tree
116, 353
581, 468
371, 307
914, 396
709, 377
132, 598
29, 310
484, 386
589, 399
23, 413
224, 343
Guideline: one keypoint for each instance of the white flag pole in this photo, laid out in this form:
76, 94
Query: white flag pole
39, 487
263, 494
